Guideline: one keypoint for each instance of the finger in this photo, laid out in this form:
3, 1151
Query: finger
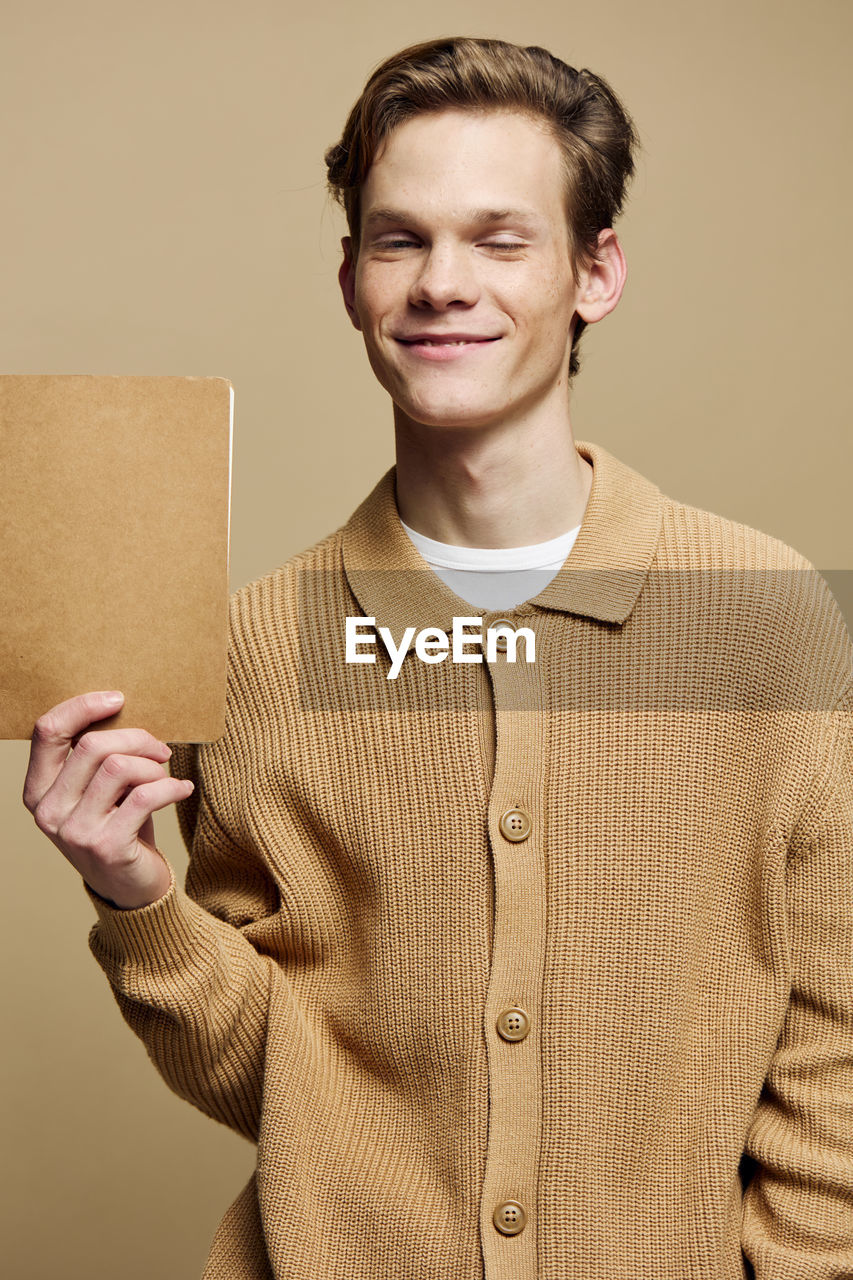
53, 733
111, 784
89, 756
83, 830
141, 802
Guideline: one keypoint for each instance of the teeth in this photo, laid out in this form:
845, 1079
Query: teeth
428, 342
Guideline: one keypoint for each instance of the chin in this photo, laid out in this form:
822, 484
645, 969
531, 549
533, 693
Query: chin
449, 417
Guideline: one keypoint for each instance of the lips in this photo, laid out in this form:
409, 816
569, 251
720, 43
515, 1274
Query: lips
446, 348
444, 339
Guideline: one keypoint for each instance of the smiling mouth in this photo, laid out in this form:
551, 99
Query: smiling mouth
444, 342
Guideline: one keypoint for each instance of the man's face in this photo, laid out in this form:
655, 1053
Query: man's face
463, 284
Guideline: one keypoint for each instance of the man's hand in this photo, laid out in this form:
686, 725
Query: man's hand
93, 795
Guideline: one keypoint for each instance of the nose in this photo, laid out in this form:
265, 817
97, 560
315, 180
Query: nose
446, 278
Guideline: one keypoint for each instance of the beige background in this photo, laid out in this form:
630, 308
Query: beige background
164, 212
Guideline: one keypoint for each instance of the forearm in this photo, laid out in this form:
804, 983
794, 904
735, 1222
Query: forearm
197, 994
798, 1208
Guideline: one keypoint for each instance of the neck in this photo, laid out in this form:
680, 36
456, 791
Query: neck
509, 485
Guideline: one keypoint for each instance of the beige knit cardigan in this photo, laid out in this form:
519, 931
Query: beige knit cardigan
619, 1047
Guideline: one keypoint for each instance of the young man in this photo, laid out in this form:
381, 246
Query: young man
527, 959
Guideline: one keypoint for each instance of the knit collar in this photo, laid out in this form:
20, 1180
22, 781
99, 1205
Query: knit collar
601, 578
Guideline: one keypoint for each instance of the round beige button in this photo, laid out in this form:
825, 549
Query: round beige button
509, 1217
513, 1024
501, 642
515, 825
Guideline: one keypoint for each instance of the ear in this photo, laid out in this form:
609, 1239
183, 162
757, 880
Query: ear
602, 283
346, 279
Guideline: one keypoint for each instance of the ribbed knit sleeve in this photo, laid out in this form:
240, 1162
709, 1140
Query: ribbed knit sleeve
798, 1207
196, 993
189, 971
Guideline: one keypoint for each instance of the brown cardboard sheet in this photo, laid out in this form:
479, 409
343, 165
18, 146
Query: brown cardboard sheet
114, 548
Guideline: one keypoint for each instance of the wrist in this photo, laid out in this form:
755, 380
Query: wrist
134, 897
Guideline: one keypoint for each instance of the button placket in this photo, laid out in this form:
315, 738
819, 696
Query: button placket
508, 1207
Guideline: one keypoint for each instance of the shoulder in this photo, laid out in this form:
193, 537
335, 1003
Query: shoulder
263, 677
764, 594
694, 538
267, 614
274, 596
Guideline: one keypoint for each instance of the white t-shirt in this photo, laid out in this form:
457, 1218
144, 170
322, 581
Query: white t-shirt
495, 578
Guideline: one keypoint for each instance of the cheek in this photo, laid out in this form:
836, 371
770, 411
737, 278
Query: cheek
544, 297
544, 315
375, 296
559, 307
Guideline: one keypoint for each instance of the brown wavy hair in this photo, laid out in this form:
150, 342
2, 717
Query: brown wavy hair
597, 137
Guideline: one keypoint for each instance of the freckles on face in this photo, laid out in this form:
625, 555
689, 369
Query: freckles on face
465, 245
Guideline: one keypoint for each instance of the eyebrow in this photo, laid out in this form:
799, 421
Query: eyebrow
475, 217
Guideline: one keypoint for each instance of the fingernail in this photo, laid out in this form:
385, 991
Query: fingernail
113, 698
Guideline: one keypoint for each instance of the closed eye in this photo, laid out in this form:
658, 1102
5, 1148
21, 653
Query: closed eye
489, 244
